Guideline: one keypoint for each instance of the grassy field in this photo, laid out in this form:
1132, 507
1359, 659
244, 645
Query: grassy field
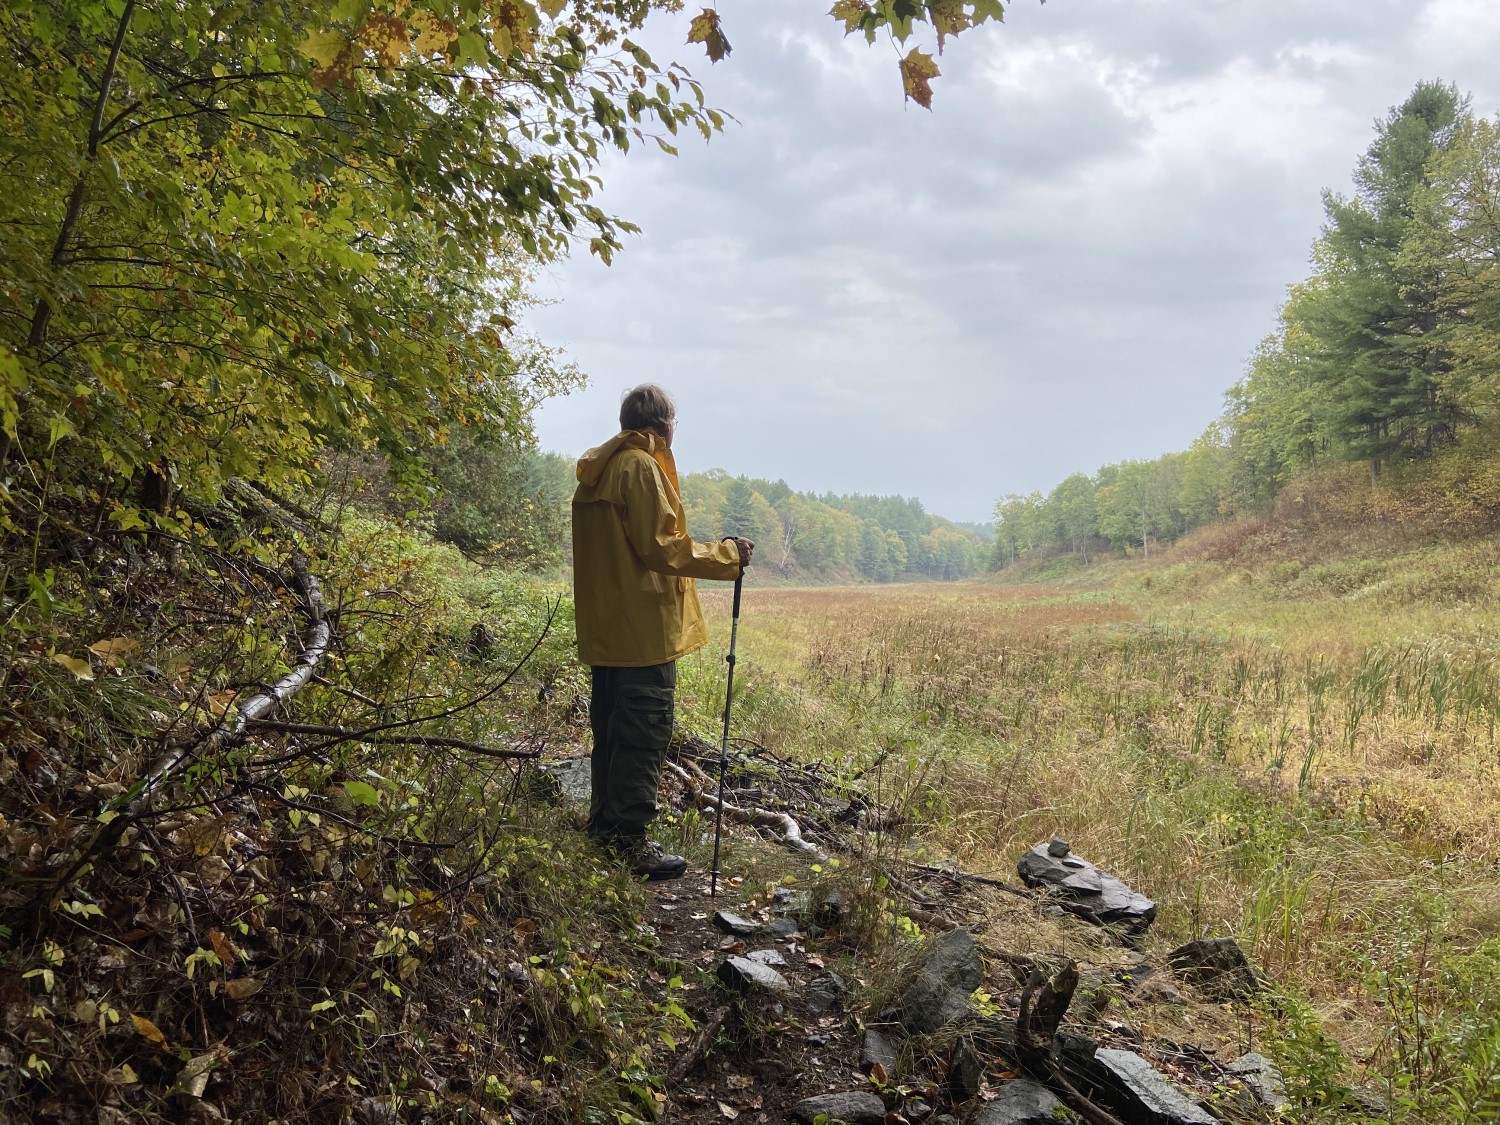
1311, 768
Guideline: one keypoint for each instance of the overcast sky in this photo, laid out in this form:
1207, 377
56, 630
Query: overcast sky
1066, 263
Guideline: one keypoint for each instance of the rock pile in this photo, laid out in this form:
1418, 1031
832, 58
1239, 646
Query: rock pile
1066, 1077
1093, 895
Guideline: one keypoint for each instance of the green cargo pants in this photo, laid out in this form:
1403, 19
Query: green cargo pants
631, 715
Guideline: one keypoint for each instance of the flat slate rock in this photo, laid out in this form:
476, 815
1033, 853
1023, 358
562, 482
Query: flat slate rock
1107, 900
858, 1107
948, 972
743, 974
770, 957
1218, 966
779, 928
876, 1048
735, 924
1158, 1100
1024, 1102
1262, 1078
823, 992
965, 1071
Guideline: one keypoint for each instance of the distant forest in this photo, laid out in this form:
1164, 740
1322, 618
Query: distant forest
510, 503
1388, 354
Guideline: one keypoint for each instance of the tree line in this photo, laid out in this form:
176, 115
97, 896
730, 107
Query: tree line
508, 502
1387, 353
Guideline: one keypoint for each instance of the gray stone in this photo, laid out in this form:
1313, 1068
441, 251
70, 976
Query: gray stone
1024, 1102
830, 909
1218, 966
916, 1109
735, 924
1366, 1102
965, 1072
744, 975
858, 1107
1107, 901
768, 957
574, 778
1156, 1099
1146, 984
945, 1119
876, 1048
1262, 1078
778, 928
824, 992
948, 971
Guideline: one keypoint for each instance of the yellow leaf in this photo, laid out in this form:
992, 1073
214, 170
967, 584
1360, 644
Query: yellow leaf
148, 1030
203, 836
514, 22
79, 667
387, 37
553, 8
242, 988
429, 34
323, 47
705, 29
115, 650
918, 70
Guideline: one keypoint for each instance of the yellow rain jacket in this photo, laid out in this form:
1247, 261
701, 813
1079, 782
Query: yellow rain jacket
633, 562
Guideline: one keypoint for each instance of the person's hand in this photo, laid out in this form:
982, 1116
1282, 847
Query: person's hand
747, 548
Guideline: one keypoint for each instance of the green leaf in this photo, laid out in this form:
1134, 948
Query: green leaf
362, 793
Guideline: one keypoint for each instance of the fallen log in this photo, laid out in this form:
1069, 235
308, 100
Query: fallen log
791, 832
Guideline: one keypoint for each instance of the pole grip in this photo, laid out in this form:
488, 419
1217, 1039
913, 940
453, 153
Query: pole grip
739, 580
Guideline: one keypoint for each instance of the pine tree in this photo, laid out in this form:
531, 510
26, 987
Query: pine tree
737, 516
1370, 323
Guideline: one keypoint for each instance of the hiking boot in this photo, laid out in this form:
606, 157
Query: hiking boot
649, 861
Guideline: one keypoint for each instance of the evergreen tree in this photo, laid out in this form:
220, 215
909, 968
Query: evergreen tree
737, 515
1370, 321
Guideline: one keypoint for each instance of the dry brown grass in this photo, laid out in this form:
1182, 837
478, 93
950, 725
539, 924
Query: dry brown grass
1324, 799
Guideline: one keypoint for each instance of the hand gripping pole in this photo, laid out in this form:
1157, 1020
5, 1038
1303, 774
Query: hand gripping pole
734, 630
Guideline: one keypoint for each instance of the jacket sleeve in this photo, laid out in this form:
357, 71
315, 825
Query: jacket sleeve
657, 536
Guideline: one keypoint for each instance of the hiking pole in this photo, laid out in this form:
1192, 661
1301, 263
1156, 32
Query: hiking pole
734, 630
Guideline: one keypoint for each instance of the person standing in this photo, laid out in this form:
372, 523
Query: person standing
637, 612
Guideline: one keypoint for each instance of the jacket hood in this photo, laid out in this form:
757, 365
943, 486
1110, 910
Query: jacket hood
592, 464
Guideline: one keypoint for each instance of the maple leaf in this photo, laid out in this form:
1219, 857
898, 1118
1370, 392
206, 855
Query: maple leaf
335, 56
387, 37
431, 35
918, 70
513, 26
851, 12
705, 29
949, 17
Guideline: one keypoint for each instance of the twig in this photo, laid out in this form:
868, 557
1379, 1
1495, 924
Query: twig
358, 697
698, 1049
338, 734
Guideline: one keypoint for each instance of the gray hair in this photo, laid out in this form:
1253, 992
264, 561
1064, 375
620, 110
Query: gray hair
647, 407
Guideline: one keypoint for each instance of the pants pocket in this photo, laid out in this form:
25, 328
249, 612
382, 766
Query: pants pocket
642, 718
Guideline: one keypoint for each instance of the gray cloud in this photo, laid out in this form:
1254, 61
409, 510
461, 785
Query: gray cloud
1065, 264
